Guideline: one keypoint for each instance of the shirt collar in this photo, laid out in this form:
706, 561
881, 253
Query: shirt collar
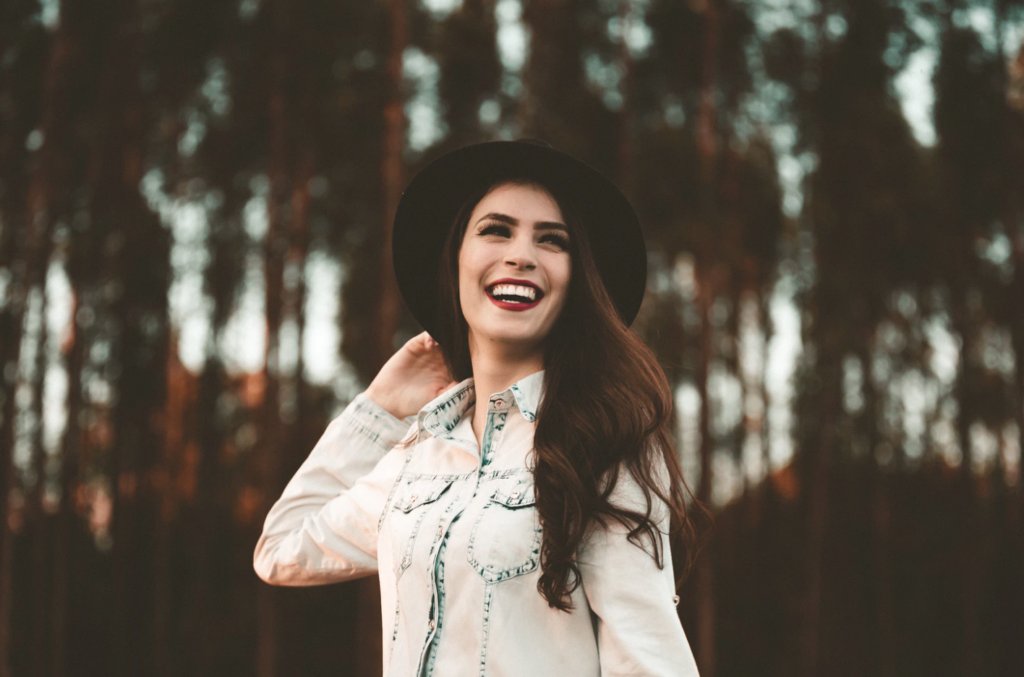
440, 416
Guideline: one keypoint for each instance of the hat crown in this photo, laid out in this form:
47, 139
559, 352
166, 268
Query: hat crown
536, 142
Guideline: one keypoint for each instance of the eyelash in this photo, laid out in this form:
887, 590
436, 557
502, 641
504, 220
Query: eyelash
561, 241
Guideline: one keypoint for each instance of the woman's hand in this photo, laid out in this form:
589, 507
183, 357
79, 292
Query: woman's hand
415, 375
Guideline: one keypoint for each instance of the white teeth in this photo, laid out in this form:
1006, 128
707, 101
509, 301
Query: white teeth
513, 290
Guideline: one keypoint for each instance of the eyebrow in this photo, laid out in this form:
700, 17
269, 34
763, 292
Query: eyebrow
542, 225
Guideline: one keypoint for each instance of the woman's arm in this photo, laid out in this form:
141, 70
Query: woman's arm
638, 628
323, 528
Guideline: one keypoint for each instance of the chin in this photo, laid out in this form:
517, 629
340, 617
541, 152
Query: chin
512, 334
506, 334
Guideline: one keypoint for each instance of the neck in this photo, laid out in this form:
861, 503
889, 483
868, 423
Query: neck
496, 366
499, 364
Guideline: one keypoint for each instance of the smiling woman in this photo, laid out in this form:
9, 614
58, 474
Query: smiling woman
523, 525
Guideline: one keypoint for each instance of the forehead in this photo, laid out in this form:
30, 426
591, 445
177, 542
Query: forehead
527, 203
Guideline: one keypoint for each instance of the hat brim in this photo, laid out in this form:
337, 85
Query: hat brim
432, 199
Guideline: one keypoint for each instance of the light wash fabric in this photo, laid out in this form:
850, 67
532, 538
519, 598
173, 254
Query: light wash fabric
454, 536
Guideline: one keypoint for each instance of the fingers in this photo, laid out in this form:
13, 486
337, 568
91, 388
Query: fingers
422, 341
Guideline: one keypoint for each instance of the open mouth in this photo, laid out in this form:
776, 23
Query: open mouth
513, 293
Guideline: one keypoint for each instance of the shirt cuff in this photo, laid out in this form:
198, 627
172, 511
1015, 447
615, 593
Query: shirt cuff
375, 423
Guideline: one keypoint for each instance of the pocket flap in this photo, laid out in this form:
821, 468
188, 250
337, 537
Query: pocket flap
514, 492
420, 492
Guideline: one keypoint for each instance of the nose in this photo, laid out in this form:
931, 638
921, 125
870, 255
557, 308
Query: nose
520, 254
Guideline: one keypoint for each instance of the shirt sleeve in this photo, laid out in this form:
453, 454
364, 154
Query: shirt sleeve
323, 528
634, 602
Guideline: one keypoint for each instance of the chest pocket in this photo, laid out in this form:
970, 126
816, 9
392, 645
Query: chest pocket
415, 499
506, 538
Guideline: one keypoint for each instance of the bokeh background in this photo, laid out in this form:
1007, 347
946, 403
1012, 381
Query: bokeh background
195, 205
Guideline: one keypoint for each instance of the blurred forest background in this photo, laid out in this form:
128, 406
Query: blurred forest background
195, 199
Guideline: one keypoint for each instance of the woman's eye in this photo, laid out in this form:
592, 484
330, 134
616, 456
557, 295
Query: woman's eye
504, 230
557, 239
493, 228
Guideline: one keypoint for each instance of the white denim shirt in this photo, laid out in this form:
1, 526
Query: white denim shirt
454, 535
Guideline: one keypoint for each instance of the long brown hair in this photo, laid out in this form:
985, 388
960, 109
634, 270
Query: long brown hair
607, 408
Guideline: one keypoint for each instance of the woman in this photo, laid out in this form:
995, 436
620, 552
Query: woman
528, 535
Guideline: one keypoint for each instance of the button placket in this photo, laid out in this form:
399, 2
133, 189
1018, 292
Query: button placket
436, 587
495, 426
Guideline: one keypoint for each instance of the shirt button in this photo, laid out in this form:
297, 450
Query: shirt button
499, 403
440, 532
675, 600
414, 497
431, 625
515, 493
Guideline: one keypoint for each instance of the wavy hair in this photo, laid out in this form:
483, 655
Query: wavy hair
607, 409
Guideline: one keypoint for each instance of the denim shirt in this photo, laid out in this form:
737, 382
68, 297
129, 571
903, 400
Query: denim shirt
453, 533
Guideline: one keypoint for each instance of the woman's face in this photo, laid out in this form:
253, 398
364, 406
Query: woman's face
515, 232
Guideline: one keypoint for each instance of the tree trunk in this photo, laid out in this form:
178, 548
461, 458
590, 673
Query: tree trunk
296, 292
709, 74
881, 530
386, 318
968, 494
173, 464
369, 639
704, 584
818, 485
270, 420
210, 519
139, 275
1015, 504
40, 215
706, 292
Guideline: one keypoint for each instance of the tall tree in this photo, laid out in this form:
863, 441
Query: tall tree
865, 211
979, 139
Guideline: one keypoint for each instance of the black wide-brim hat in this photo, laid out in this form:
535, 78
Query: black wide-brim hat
432, 199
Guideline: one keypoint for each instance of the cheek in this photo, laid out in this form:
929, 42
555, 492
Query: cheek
470, 259
465, 272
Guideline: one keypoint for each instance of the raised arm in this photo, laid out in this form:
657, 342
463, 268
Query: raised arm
323, 528
638, 628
